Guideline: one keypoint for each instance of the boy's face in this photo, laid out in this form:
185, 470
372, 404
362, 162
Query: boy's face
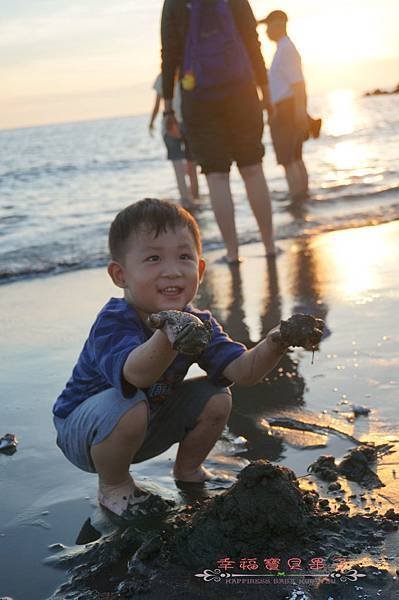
159, 273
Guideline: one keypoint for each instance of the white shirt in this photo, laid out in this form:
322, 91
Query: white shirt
285, 70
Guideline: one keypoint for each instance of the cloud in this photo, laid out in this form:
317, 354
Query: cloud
80, 20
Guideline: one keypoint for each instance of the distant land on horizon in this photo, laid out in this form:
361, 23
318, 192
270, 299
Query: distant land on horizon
381, 92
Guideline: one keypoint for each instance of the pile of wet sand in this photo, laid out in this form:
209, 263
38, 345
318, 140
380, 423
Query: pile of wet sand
265, 514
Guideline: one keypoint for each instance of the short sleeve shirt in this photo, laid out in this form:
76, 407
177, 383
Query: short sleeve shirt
117, 331
285, 70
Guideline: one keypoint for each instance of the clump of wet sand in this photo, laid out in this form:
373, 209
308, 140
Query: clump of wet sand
355, 465
265, 513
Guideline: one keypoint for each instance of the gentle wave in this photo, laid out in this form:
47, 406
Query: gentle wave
52, 260
60, 186
45, 170
362, 194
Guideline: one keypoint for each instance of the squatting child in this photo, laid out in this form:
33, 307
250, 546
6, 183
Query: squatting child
126, 400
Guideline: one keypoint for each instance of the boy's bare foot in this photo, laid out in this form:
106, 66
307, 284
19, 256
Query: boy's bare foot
200, 475
124, 500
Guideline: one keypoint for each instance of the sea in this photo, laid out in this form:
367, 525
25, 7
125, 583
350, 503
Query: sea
62, 184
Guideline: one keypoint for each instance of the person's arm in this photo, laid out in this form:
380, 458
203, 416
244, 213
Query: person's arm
293, 72
246, 25
170, 54
266, 101
300, 99
155, 111
253, 365
146, 363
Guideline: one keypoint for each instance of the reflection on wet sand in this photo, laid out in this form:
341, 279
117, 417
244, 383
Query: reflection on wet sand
306, 281
356, 260
284, 386
247, 301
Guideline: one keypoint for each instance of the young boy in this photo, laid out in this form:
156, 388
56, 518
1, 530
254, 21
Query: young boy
126, 400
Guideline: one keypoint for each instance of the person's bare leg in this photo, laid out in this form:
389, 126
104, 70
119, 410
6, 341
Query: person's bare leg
199, 441
113, 456
223, 207
180, 172
294, 179
259, 200
304, 177
192, 173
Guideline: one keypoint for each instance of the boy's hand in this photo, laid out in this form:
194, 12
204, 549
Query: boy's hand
275, 342
298, 330
186, 332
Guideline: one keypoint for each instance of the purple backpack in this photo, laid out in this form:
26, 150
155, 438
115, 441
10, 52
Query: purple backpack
215, 58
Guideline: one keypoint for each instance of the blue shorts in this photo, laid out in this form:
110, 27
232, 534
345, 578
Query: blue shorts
168, 422
178, 148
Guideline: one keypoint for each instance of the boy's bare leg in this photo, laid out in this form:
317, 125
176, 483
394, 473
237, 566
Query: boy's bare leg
223, 207
192, 174
259, 200
113, 456
199, 441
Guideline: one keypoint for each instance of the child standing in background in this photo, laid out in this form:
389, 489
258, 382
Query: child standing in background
177, 146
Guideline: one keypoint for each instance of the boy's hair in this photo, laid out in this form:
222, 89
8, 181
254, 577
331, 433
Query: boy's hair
151, 215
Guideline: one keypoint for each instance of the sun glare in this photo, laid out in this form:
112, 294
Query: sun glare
339, 37
349, 156
355, 258
340, 113
336, 41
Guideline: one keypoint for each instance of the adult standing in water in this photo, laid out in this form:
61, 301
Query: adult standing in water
213, 45
178, 151
289, 121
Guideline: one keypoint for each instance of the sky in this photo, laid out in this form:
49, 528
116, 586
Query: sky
67, 60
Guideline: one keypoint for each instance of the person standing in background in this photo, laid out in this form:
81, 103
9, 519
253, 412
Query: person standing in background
289, 121
177, 147
213, 46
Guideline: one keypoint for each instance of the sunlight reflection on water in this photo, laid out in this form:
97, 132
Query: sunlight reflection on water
348, 155
341, 115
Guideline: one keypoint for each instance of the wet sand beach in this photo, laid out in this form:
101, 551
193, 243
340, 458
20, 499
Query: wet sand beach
349, 278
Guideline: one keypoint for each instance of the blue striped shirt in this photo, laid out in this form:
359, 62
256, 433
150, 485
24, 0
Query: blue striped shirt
117, 331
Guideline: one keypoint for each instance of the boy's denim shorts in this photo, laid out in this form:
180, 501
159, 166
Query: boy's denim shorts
168, 423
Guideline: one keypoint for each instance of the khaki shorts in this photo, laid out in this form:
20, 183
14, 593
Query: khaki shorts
287, 140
